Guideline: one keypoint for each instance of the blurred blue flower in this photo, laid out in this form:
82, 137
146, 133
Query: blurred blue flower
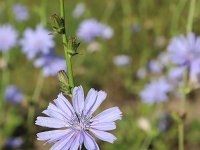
194, 71
51, 64
14, 142
75, 121
122, 60
165, 122
90, 29
156, 91
8, 37
155, 66
136, 27
185, 51
13, 94
78, 10
21, 12
107, 32
36, 42
176, 73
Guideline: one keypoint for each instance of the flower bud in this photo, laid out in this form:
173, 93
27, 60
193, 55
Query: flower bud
72, 46
57, 24
63, 82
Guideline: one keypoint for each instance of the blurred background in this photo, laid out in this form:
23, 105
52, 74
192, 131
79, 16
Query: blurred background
123, 48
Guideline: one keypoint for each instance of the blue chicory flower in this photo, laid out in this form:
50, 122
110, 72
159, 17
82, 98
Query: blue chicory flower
156, 91
185, 51
36, 42
51, 64
155, 66
13, 94
165, 122
78, 10
14, 142
176, 73
136, 28
90, 29
122, 60
76, 121
21, 12
107, 32
8, 37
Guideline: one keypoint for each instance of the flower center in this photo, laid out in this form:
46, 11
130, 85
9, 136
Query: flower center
80, 122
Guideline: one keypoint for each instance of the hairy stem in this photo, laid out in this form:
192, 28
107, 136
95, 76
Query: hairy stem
67, 55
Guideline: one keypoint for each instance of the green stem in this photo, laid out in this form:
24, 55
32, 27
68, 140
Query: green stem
43, 12
146, 143
176, 15
4, 83
126, 33
67, 55
181, 136
191, 16
185, 80
108, 11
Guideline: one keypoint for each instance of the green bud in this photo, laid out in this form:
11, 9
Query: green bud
72, 46
63, 82
57, 24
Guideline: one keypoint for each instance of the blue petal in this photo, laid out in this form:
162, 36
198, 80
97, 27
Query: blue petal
105, 126
108, 115
104, 136
93, 101
65, 143
78, 99
52, 136
89, 142
50, 122
63, 104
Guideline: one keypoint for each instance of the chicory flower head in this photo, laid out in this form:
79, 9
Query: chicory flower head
107, 32
90, 29
8, 37
51, 64
185, 51
36, 42
78, 10
165, 122
155, 66
21, 12
77, 121
13, 94
14, 142
156, 91
176, 73
122, 60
